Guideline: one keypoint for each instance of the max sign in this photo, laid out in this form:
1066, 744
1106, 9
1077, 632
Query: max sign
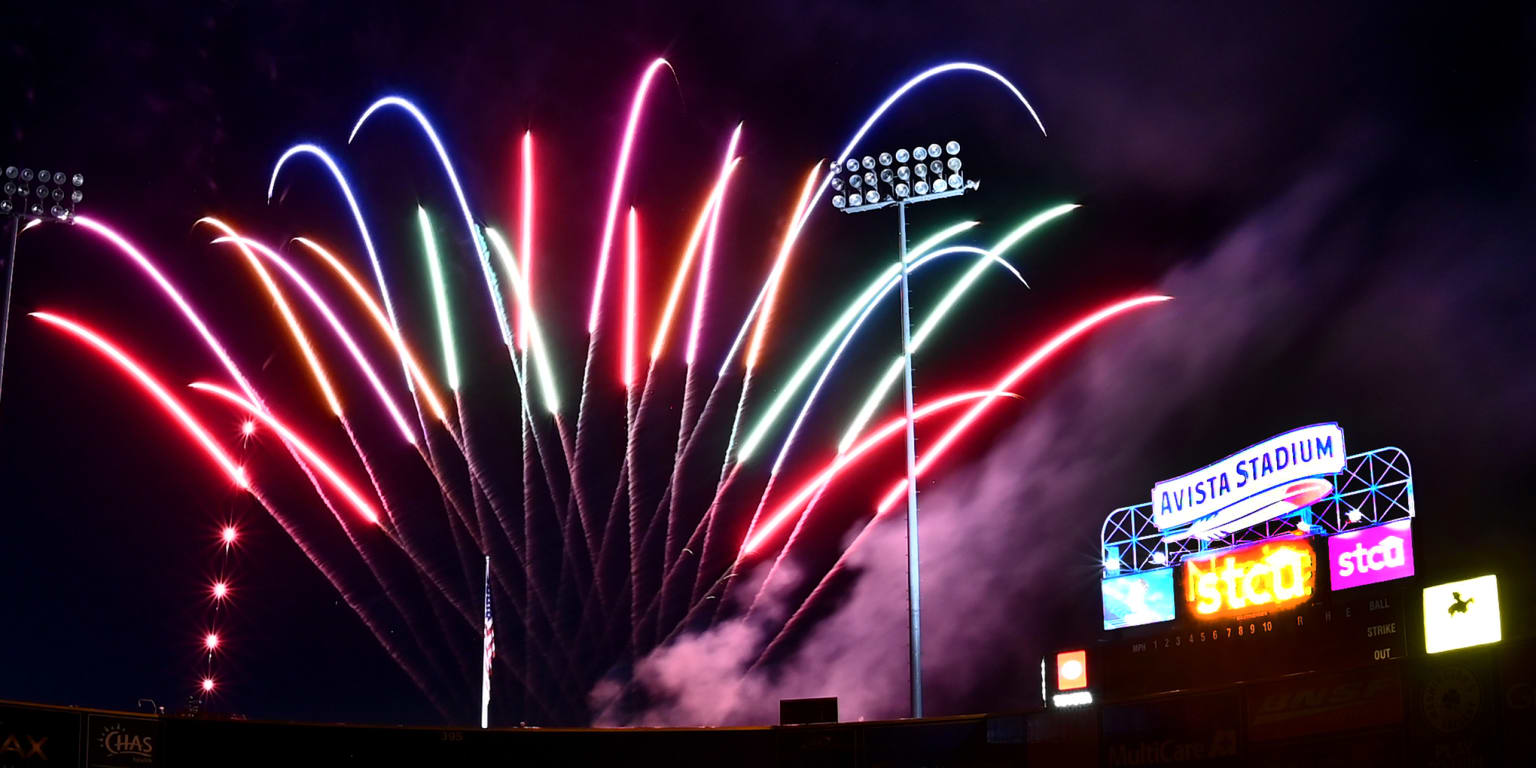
1270, 479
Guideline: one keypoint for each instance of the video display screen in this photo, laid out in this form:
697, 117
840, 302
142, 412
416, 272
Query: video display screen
1139, 598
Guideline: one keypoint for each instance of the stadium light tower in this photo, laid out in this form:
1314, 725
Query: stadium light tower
28, 198
873, 183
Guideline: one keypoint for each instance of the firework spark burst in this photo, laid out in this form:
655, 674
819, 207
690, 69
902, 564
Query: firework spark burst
572, 615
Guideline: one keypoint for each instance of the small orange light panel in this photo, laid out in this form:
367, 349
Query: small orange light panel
1071, 670
1255, 579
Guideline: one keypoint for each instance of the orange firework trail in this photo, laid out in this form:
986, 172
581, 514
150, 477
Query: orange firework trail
706, 215
319, 303
365, 298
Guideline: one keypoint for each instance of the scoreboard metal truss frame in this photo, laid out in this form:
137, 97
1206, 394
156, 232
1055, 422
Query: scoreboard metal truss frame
1375, 487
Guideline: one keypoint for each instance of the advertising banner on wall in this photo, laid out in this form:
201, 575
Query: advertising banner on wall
1454, 713
1310, 705
1137, 599
1191, 730
38, 737
111, 741
1371, 555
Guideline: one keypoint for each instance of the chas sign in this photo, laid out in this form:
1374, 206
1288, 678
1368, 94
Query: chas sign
1270, 479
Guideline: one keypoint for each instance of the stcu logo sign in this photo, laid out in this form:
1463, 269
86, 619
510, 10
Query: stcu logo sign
33, 746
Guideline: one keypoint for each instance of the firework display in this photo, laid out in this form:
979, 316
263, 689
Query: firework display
630, 509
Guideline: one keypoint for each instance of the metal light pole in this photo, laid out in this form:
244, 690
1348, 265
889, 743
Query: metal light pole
35, 198
867, 190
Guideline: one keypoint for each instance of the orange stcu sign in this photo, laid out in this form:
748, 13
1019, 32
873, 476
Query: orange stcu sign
1250, 580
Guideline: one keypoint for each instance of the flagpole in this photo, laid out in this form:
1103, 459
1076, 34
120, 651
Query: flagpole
486, 653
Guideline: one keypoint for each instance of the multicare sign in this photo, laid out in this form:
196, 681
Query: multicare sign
1270, 479
1138, 598
1249, 580
1371, 555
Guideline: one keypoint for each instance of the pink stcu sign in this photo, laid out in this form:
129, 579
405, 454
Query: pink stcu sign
1370, 555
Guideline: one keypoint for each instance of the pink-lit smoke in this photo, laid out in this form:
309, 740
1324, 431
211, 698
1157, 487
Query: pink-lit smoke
1010, 539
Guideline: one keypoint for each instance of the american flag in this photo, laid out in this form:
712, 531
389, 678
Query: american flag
490, 633
489, 654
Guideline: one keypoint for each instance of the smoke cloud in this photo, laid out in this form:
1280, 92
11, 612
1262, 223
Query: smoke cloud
1012, 539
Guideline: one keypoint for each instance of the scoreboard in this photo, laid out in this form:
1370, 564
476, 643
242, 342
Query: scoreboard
1284, 558
1332, 631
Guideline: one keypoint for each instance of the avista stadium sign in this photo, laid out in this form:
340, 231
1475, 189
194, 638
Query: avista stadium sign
1270, 479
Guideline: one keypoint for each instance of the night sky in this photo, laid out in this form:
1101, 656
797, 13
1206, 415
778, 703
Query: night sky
1344, 191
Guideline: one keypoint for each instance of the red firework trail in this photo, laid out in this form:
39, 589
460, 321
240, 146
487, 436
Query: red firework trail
352, 495
201, 435
209, 339
148, 267
824, 480
157, 390
173, 293
340, 483
1012, 377
866, 444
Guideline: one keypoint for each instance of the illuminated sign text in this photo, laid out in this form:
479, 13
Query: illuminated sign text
33, 746
1253, 579
1255, 484
1370, 555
